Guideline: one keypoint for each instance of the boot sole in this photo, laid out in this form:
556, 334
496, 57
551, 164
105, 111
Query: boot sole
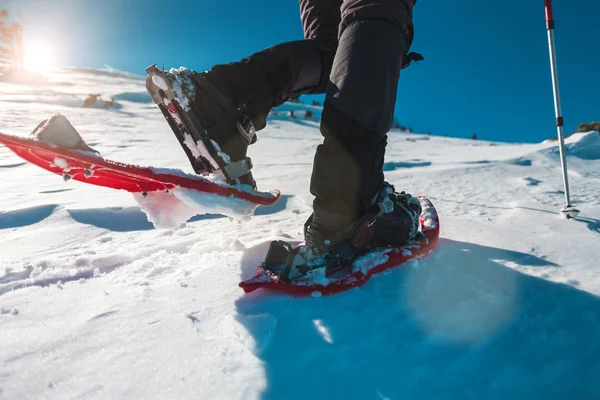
192, 136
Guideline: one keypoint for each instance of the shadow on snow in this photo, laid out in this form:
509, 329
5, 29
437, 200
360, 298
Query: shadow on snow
392, 166
458, 324
275, 208
117, 219
26, 216
592, 224
131, 219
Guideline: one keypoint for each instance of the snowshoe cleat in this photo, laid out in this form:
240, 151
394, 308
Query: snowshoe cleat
176, 93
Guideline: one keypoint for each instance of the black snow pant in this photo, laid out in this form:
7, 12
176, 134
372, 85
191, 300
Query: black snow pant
353, 51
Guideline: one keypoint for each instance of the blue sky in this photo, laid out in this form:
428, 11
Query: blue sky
486, 68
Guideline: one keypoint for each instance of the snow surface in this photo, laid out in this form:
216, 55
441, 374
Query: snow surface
173, 208
95, 303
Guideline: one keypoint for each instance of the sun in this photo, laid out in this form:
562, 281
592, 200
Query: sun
37, 56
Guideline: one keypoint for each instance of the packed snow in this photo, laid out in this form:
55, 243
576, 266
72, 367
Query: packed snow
171, 209
95, 302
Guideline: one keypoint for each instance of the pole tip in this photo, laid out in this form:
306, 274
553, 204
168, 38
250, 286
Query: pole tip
569, 212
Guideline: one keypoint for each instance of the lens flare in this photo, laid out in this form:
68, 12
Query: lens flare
37, 56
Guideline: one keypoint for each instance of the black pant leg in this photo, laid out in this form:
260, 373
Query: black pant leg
272, 76
359, 106
321, 21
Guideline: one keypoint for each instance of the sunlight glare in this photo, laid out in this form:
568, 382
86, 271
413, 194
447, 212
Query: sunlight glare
38, 56
323, 330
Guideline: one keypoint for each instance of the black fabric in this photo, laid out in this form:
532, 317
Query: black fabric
325, 21
359, 73
320, 21
291, 68
358, 113
372, 229
347, 169
366, 68
270, 77
397, 12
219, 123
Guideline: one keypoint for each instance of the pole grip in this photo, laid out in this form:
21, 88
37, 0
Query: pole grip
549, 14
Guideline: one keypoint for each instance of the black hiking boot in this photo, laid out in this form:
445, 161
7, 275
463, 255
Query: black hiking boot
212, 124
392, 219
215, 114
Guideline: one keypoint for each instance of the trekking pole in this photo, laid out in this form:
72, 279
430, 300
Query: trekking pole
568, 211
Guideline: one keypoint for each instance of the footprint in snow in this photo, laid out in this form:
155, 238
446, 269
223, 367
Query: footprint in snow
531, 181
12, 165
54, 191
103, 315
523, 162
25, 216
392, 166
6, 311
480, 162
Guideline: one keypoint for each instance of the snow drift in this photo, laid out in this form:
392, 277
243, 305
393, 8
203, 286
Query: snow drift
581, 145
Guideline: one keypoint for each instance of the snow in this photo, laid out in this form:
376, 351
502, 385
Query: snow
175, 207
61, 162
181, 79
585, 146
160, 82
97, 303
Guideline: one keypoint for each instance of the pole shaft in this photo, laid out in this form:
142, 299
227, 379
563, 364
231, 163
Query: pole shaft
556, 90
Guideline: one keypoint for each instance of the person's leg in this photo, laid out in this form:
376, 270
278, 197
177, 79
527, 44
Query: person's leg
320, 22
268, 78
375, 36
272, 76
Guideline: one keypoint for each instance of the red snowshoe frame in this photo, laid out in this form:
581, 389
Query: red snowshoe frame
88, 167
357, 272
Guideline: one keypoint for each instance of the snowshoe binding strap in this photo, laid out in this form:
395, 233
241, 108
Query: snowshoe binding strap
381, 203
409, 203
334, 251
289, 263
238, 169
244, 123
285, 261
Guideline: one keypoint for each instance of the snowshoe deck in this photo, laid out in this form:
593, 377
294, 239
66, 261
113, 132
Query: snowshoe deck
90, 167
354, 274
